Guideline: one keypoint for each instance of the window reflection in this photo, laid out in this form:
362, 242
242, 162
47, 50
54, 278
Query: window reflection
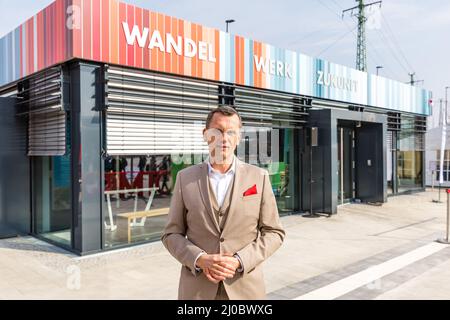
137, 195
410, 161
52, 198
138, 188
445, 168
273, 150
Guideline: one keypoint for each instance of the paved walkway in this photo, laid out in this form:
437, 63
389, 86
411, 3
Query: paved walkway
364, 252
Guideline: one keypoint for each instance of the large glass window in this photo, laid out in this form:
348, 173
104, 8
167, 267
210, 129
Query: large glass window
52, 204
274, 150
410, 160
138, 189
137, 196
446, 166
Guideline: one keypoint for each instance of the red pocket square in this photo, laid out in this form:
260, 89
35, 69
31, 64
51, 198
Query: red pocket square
251, 191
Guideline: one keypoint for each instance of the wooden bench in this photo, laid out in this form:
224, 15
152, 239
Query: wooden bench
142, 214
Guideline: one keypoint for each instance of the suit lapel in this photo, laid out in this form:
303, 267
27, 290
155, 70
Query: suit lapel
204, 193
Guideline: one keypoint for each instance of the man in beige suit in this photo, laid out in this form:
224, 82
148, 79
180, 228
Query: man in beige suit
223, 219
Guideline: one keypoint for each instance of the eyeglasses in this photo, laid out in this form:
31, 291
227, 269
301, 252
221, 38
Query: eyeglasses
211, 132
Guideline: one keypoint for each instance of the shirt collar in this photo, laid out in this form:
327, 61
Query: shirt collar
232, 169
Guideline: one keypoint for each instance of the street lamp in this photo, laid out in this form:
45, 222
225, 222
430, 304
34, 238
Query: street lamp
379, 67
228, 22
446, 88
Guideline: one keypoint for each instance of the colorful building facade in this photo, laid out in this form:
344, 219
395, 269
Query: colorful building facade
108, 102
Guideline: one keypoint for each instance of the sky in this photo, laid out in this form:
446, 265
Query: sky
413, 34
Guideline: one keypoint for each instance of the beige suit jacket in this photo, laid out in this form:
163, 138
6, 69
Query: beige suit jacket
252, 230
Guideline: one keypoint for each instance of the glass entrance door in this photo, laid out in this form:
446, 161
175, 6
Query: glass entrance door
346, 164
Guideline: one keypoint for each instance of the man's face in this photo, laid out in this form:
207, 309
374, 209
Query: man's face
222, 136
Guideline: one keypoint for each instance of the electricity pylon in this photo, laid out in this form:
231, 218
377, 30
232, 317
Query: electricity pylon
361, 51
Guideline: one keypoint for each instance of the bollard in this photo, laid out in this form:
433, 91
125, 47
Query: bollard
439, 194
446, 240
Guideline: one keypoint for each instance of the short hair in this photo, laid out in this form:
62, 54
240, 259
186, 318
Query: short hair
226, 111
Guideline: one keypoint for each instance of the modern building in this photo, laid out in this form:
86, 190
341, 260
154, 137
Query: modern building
103, 103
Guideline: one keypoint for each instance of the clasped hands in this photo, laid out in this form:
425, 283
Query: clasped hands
218, 267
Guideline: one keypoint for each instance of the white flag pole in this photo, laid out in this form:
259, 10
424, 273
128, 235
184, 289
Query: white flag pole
443, 122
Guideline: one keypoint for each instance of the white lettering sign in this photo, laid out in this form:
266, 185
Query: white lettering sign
273, 67
334, 81
181, 46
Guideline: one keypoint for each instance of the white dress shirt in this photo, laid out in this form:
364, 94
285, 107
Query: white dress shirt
220, 182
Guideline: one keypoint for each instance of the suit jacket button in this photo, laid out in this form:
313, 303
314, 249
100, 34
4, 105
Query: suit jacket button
222, 239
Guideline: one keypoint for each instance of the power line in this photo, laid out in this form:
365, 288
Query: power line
396, 42
304, 37
326, 6
338, 5
392, 50
387, 66
369, 53
336, 41
375, 51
